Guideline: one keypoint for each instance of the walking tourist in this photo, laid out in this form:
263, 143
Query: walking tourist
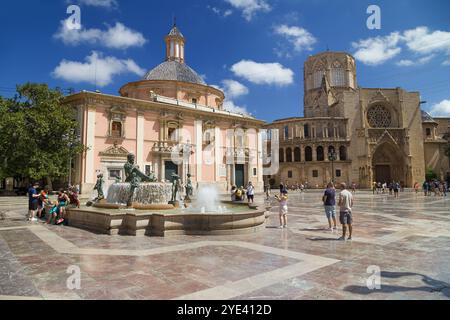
329, 201
416, 187
425, 187
345, 211
283, 209
33, 197
250, 192
396, 188
353, 187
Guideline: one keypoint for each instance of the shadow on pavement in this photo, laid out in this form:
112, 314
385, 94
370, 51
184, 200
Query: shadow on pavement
430, 285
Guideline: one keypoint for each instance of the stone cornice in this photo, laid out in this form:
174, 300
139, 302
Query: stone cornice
91, 98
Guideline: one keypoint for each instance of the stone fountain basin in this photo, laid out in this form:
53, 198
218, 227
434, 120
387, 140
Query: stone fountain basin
242, 219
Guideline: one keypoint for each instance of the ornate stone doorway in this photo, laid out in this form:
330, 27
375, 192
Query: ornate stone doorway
383, 173
388, 164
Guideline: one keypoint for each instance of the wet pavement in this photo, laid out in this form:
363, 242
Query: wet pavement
407, 240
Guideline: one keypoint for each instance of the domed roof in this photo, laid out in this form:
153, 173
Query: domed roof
174, 70
426, 117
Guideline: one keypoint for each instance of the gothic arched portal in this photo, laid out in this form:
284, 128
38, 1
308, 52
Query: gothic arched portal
388, 164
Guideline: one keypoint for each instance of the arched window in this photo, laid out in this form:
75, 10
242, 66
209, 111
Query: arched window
281, 155
286, 132
337, 75
306, 130
172, 131
320, 155
288, 155
297, 155
116, 129
343, 153
318, 77
308, 154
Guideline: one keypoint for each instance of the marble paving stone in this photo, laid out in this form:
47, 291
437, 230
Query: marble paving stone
407, 238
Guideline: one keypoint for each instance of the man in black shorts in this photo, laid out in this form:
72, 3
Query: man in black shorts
33, 198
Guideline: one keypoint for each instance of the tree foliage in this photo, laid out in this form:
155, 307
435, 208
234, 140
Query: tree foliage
38, 134
430, 174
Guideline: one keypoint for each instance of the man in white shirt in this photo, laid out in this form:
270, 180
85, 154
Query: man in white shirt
345, 206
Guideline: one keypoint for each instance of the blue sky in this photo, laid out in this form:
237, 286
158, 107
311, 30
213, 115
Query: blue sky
253, 49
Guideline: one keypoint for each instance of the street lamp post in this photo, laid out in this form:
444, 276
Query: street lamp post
332, 156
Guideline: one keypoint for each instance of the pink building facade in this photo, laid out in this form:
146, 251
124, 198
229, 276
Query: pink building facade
174, 123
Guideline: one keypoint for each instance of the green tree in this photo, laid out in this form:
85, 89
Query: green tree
430, 174
38, 134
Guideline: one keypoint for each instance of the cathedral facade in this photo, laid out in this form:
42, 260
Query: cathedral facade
357, 135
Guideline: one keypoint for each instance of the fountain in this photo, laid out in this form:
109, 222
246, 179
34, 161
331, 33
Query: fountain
142, 206
207, 201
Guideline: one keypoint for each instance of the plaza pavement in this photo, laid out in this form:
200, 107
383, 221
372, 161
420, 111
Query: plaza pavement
408, 239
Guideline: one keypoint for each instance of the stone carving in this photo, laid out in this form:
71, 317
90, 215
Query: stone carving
379, 116
114, 151
378, 97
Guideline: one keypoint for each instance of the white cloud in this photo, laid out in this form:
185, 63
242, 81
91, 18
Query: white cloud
263, 73
228, 12
97, 70
441, 109
375, 51
419, 62
222, 13
250, 7
301, 38
100, 3
233, 89
405, 63
446, 63
116, 37
421, 40
229, 105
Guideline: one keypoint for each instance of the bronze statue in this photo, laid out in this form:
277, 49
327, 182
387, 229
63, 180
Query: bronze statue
189, 187
175, 186
134, 176
99, 187
132, 172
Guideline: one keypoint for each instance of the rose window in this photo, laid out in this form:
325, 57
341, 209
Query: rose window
379, 117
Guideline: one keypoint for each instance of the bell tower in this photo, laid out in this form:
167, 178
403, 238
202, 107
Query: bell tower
175, 45
326, 76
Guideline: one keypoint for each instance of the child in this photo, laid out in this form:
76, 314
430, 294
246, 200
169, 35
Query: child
283, 200
42, 201
54, 212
